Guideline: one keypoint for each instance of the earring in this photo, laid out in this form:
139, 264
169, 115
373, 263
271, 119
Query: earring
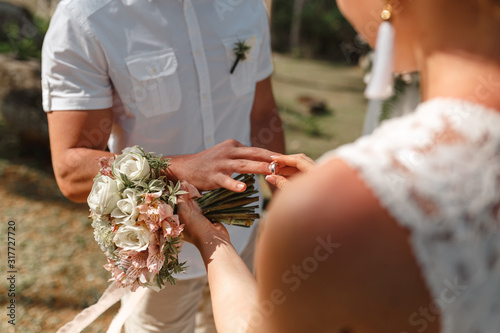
381, 81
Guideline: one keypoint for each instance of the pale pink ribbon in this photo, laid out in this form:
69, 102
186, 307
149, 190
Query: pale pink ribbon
110, 296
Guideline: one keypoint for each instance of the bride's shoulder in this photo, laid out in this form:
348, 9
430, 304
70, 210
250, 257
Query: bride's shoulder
324, 230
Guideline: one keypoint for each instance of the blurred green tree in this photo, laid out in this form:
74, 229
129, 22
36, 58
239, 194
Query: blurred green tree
322, 32
21, 33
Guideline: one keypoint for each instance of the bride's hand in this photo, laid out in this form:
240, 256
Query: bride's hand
288, 166
198, 230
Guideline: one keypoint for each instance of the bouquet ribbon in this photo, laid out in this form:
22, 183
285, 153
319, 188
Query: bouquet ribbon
110, 296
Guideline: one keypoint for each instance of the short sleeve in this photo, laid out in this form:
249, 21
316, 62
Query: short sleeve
74, 67
265, 64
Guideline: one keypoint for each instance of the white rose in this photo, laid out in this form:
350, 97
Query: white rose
132, 238
133, 165
134, 149
126, 210
104, 195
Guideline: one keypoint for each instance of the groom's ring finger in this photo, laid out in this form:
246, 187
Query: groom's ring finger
247, 166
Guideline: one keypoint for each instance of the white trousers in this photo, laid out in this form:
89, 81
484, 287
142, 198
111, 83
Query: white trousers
183, 308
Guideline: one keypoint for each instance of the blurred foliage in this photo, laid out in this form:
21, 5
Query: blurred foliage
325, 33
21, 34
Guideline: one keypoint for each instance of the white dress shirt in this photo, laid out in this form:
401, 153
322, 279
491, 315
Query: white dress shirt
163, 67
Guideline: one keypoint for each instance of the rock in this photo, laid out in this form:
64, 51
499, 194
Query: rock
21, 104
314, 106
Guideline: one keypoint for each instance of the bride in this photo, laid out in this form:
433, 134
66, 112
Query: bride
398, 232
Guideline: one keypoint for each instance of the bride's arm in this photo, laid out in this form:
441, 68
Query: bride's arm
233, 287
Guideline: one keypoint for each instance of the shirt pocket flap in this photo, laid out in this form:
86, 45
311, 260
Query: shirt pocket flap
153, 65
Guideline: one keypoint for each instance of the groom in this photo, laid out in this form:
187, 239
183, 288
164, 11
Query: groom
189, 79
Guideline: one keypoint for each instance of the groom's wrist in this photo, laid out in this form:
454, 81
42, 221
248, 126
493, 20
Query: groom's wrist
174, 170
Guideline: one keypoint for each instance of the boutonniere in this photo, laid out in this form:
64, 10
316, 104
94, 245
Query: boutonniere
242, 51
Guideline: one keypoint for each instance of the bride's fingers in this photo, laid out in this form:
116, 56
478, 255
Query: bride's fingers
191, 189
299, 161
187, 206
288, 171
278, 181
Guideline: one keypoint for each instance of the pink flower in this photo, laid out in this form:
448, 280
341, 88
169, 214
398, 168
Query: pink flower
150, 197
134, 272
139, 259
153, 212
124, 279
156, 257
105, 164
125, 262
110, 265
191, 189
172, 227
116, 273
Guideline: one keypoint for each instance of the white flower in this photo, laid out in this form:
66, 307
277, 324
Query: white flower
134, 149
126, 210
133, 165
104, 195
132, 238
103, 234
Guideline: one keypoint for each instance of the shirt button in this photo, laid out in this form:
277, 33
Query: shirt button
208, 140
197, 52
205, 97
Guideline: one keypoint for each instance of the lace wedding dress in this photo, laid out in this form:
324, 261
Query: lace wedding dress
437, 171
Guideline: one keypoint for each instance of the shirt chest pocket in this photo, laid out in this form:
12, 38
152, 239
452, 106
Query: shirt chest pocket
244, 74
155, 82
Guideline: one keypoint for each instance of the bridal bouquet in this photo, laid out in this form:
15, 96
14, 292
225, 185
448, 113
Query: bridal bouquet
133, 211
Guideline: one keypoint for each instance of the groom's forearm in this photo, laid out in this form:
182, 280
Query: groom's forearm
78, 139
268, 132
75, 170
266, 125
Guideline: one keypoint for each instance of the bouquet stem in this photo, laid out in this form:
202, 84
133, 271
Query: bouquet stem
223, 205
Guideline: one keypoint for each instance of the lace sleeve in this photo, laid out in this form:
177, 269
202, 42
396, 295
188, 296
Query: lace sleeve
437, 172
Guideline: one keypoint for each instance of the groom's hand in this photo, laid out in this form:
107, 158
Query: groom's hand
212, 168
